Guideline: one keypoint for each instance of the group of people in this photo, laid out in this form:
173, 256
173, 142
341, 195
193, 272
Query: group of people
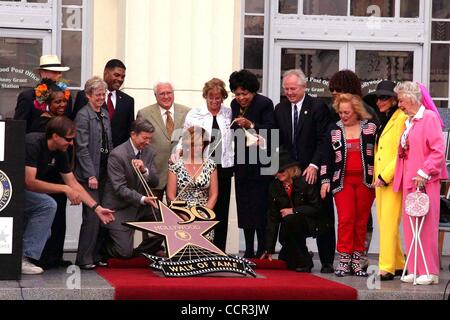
352, 152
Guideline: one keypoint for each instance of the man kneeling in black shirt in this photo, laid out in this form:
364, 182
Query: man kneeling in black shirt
46, 163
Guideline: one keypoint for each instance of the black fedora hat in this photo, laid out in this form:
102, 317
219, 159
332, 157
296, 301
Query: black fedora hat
384, 88
286, 160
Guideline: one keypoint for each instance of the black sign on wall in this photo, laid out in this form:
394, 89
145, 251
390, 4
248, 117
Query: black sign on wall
12, 168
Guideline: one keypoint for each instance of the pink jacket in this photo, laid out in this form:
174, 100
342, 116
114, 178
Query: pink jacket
426, 152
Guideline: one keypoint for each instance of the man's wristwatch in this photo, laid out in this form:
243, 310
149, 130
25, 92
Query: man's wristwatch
95, 206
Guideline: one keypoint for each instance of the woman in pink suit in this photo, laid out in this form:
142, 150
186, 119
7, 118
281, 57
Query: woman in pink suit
421, 164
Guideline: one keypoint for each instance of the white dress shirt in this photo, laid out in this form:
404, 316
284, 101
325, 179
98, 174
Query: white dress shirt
164, 115
299, 109
136, 150
113, 97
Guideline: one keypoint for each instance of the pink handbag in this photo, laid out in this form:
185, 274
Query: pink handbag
417, 204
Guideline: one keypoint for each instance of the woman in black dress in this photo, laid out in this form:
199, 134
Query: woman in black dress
252, 114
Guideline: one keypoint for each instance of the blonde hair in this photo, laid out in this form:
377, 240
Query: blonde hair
215, 84
356, 102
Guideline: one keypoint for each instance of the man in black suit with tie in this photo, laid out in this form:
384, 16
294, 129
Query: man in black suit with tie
120, 106
303, 121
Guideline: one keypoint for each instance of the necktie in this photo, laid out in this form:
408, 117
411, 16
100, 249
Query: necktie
295, 121
110, 107
138, 155
294, 133
169, 123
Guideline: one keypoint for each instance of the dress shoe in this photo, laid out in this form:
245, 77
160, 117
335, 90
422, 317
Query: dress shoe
249, 255
102, 263
306, 269
408, 278
64, 263
399, 272
386, 277
425, 280
87, 266
327, 268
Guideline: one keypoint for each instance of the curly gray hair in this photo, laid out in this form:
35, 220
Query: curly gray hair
409, 90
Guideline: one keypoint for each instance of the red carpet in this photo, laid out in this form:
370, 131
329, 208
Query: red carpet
134, 280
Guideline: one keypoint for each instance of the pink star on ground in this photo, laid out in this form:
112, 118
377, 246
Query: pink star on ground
177, 235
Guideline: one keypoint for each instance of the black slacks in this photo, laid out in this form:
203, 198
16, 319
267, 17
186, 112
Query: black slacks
222, 207
293, 233
326, 242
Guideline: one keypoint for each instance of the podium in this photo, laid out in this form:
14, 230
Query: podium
12, 170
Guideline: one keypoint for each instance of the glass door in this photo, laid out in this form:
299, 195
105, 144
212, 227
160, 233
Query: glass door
374, 62
319, 61
20, 51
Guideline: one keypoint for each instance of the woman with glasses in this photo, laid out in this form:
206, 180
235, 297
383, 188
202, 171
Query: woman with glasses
388, 203
421, 165
93, 144
348, 174
253, 117
215, 118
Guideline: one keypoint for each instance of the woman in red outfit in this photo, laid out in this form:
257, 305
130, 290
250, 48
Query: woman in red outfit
348, 173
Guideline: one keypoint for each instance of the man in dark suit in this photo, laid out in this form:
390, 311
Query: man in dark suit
125, 193
302, 121
120, 106
51, 68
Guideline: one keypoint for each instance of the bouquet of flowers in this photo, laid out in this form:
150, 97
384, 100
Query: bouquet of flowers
44, 90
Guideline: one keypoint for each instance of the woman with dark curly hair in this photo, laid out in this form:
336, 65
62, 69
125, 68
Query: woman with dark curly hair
251, 113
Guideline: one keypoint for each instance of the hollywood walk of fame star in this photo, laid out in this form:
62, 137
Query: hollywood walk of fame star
177, 235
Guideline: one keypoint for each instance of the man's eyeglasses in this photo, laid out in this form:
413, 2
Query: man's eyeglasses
68, 139
383, 98
162, 94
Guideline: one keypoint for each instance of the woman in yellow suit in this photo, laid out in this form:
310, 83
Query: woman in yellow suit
388, 203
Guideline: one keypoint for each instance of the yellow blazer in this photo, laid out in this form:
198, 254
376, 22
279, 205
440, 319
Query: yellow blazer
387, 148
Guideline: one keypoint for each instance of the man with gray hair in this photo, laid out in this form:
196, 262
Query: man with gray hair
168, 119
302, 122
125, 193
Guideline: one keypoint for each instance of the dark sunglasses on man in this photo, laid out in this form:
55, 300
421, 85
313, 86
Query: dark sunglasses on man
68, 139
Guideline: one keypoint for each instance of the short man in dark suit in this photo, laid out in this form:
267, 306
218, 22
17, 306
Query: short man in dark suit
51, 68
120, 106
302, 121
125, 193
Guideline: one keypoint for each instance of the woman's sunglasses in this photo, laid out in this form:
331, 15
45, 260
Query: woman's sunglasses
383, 98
